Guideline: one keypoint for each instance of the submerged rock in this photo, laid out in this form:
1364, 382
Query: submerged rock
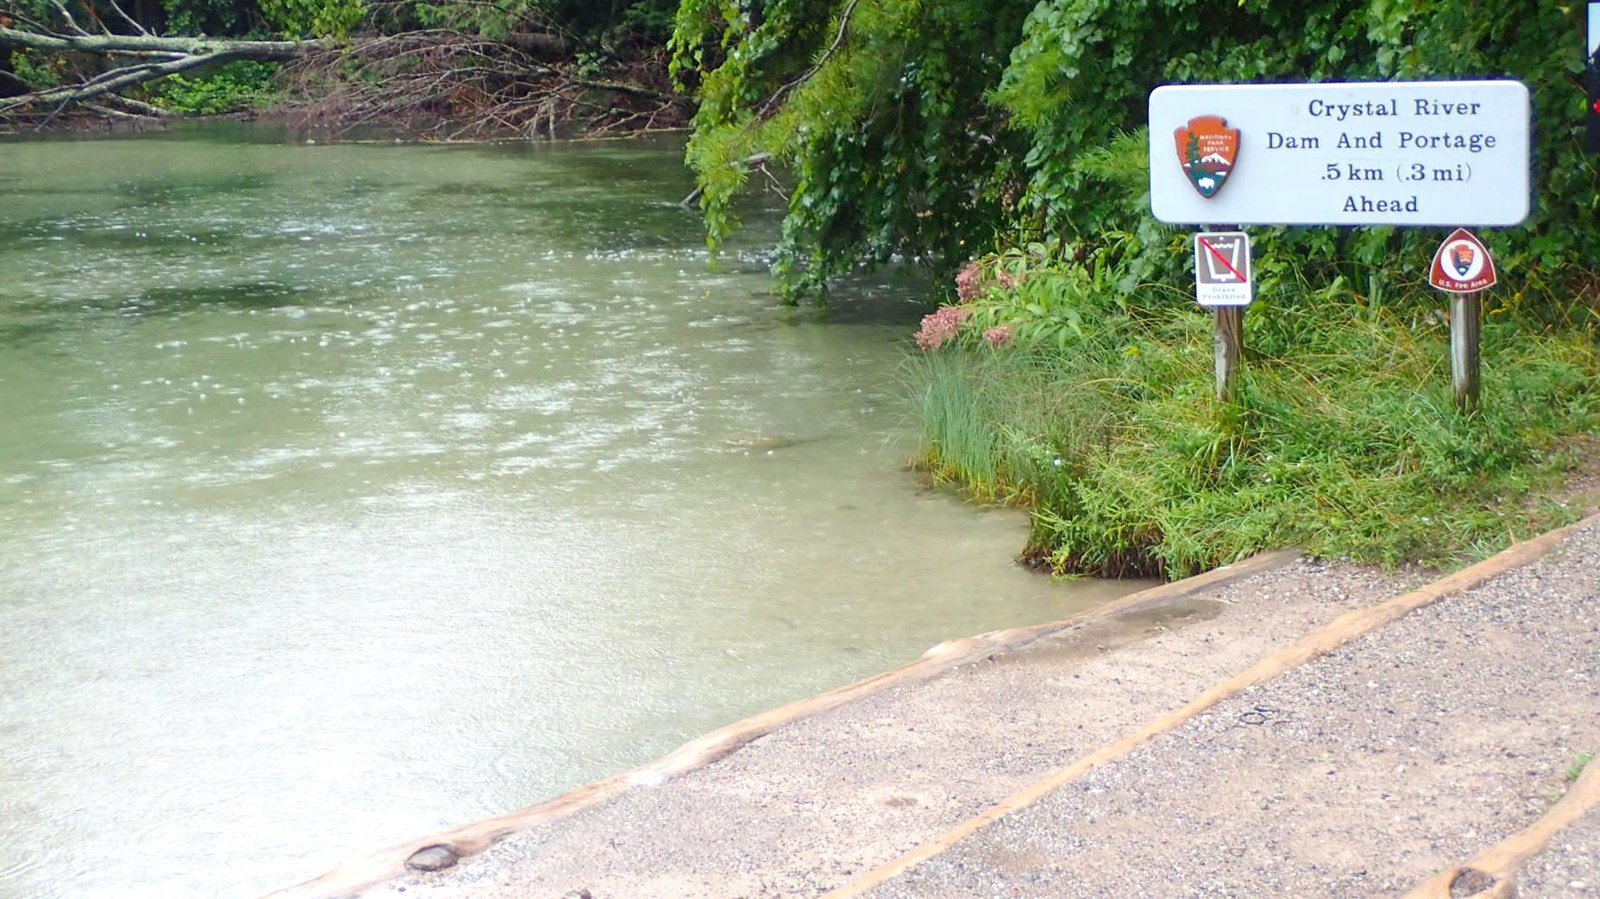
432, 858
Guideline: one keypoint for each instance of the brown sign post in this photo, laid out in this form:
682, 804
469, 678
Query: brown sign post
1462, 267
1222, 284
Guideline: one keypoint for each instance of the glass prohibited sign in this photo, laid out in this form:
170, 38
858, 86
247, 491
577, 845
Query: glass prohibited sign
1222, 269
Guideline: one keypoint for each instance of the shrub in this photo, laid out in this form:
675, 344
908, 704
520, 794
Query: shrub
232, 87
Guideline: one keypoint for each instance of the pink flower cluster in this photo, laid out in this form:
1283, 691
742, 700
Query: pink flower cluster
940, 327
998, 336
969, 282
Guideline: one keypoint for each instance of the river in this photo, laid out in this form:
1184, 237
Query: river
349, 492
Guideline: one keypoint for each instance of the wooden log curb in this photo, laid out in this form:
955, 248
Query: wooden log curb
1345, 628
442, 849
1497, 866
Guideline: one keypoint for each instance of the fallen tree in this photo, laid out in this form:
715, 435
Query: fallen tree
436, 83
133, 60
450, 85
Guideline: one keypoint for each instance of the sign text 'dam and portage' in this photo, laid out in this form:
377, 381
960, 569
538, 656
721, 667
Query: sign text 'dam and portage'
1378, 153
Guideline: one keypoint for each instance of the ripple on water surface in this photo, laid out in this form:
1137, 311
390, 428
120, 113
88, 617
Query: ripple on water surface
353, 492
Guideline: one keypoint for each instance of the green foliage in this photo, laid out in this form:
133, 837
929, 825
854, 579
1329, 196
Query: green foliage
314, 18
1575, 770
495, 19
39, 72
648, 21
926, 128
592, 25
231, 87
1343, 438
876, 105
215, 17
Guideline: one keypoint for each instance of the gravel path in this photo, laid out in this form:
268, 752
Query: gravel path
1359, 774
818, 802
1569, 868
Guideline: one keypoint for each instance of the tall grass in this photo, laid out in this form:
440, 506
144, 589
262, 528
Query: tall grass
1342, 439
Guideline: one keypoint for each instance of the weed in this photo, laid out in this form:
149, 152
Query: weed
1575, 770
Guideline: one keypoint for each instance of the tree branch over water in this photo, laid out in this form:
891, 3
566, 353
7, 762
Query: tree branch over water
137, 59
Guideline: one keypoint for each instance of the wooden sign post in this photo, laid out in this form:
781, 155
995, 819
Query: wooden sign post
1466, 316
1222, 283
1462, 267
1229, 346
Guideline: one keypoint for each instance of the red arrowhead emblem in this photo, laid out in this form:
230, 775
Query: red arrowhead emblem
1207, 149
1462, 264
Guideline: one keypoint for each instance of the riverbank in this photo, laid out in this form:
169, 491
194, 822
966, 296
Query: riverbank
1209, 717
437, 73
1045, 386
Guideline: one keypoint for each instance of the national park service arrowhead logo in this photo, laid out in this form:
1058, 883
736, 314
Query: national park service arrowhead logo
1208, 149
1462, 264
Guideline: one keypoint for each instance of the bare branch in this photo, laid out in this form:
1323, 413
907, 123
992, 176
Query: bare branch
127, 18
437, 83
107, 82
134, 106
134, 43
110, 113
838, 41
71, 22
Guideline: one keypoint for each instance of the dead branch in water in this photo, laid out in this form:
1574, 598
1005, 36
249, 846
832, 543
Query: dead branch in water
449, 85
437, 84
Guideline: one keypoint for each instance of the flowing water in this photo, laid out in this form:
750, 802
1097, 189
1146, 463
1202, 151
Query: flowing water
350, 492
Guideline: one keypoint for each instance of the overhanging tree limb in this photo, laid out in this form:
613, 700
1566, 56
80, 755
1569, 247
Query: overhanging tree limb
838, 41
157, 57
112, 44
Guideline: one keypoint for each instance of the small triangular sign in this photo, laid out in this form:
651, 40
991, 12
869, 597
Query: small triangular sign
1462, 264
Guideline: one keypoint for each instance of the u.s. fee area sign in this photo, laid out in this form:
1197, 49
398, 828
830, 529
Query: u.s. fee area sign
1377, 153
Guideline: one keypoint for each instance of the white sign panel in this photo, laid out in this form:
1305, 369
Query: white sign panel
1594, 32
1380, 153
1222, 269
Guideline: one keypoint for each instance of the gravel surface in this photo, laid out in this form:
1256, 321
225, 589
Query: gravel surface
818, 802
1568, 868
1359, 774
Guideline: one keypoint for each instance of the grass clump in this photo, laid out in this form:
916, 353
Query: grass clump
1575, 770
1342, 439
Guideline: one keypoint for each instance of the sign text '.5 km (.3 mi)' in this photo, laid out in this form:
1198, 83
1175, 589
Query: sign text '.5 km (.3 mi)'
1379, 153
